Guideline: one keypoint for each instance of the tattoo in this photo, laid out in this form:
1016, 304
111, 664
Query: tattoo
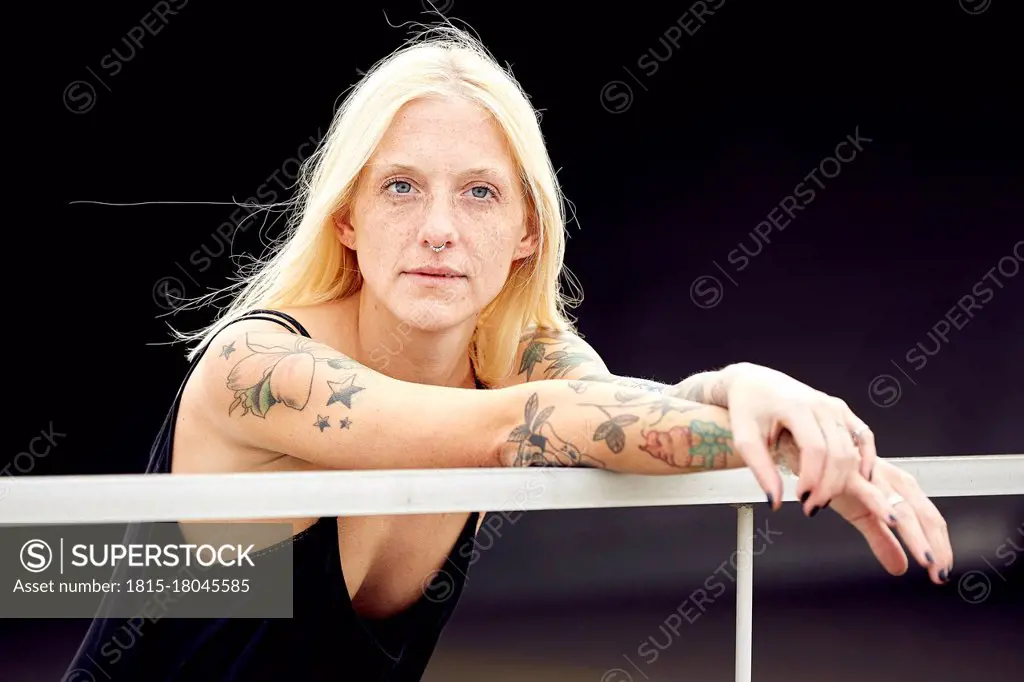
294, 358
342, 391
227, 350
565, 353
702, 444
628, 382
695, 393
705, 388
538, 445
662, 406
612, 431
566, 356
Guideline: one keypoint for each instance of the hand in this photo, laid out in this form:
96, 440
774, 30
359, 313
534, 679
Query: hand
918, 522
763, 403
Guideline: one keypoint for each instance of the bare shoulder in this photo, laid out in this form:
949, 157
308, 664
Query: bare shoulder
329, 323
325, 324
244, 346
546, 353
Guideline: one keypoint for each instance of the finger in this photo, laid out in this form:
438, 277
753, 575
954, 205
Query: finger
874, 499
883, 543
865, 442
841, 462
934, 528
864, 507
910, 531
751, 445
813, 451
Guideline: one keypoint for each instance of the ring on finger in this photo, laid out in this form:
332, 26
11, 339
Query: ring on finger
894, 499
859, 430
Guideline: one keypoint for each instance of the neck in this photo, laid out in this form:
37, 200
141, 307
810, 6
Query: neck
399, 350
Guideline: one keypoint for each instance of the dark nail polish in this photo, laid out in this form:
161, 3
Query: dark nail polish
944, 575
771, 500
929, 558
803, 498
871, 474
825, 506
814, 510
893, 519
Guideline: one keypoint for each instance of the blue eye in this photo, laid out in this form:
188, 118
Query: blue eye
400, 186
481, 192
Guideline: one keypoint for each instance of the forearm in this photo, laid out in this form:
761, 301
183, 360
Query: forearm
550, 354
706, 388
600, 424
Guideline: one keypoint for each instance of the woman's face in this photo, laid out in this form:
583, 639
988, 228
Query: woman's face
441, 176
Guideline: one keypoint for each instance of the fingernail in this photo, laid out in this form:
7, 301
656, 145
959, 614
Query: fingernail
803, 498
871, 474
771, 500
893, 520
944, 575
929, 558
824, 506
814, 510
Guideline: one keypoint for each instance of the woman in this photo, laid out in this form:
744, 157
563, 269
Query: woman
423, 264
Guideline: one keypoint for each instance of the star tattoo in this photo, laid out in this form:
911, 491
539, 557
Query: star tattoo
227, 350
342, 391
322, 423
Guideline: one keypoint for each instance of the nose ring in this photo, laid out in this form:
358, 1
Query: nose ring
439, 249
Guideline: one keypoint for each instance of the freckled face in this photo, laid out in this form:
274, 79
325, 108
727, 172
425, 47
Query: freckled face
442, 175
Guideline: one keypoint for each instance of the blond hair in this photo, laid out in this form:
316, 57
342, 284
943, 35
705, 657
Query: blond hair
308, 265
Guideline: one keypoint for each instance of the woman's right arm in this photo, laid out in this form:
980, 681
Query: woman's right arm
276, 391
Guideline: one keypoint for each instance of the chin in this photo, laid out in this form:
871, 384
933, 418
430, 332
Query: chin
434, 314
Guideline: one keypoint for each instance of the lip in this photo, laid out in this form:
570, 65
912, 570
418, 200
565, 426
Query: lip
436, 273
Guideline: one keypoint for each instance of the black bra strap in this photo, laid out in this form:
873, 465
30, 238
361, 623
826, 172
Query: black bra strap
296, 327
277, 316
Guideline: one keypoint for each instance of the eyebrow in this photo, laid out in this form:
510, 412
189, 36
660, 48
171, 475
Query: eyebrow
480, 171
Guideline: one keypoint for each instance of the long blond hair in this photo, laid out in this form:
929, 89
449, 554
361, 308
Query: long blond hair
308, 265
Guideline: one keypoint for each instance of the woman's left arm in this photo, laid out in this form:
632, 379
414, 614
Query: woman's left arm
762, 403
766, 406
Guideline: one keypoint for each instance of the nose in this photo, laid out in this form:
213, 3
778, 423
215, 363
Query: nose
438, 228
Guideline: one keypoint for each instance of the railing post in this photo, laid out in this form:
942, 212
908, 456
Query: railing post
744, 590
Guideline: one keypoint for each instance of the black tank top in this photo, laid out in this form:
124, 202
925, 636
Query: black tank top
324, 640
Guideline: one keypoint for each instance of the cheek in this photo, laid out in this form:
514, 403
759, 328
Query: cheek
493, 248
381, 236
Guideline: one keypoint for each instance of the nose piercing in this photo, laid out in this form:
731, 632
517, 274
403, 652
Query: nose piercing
439, 249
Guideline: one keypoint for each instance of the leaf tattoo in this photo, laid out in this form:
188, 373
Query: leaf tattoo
612, 433
533, 354
563, 362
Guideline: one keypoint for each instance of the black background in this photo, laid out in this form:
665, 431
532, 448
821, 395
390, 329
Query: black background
217, 102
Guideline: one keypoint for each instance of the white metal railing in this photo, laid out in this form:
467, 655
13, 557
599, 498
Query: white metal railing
182, 497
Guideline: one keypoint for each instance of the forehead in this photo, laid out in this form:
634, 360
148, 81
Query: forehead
448, 134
